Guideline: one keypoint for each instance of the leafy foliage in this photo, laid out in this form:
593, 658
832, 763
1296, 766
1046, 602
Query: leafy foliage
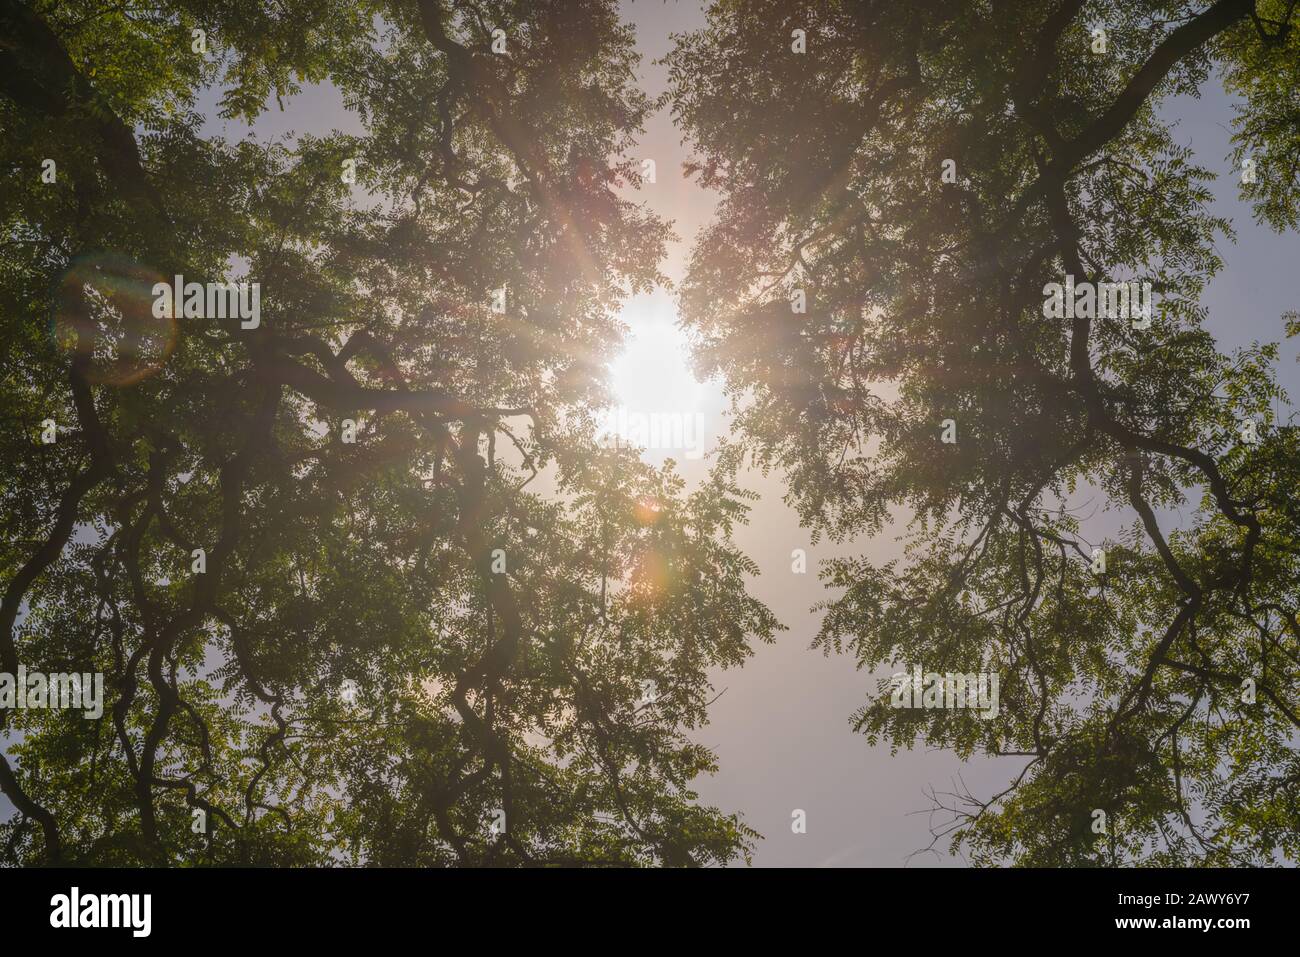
402, 651
1121, 692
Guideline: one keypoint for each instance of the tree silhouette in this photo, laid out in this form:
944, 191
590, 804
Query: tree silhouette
393, 647
920, 176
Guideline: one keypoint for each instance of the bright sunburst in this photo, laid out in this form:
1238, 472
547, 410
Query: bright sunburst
653, 373
660, 407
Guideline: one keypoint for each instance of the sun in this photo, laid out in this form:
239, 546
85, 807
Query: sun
659, 405
652, 374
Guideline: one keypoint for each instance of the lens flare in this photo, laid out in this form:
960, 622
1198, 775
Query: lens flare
103, 312
647, 511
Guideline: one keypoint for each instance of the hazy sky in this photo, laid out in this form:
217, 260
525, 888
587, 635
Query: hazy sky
781, 729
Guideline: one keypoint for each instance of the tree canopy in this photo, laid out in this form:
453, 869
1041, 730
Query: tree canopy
362, 587
919, 174
362, 583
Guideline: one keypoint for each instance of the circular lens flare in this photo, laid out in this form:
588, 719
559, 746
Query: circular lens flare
104, 313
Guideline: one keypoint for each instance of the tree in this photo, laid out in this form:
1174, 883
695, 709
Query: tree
921, 175
335, 621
